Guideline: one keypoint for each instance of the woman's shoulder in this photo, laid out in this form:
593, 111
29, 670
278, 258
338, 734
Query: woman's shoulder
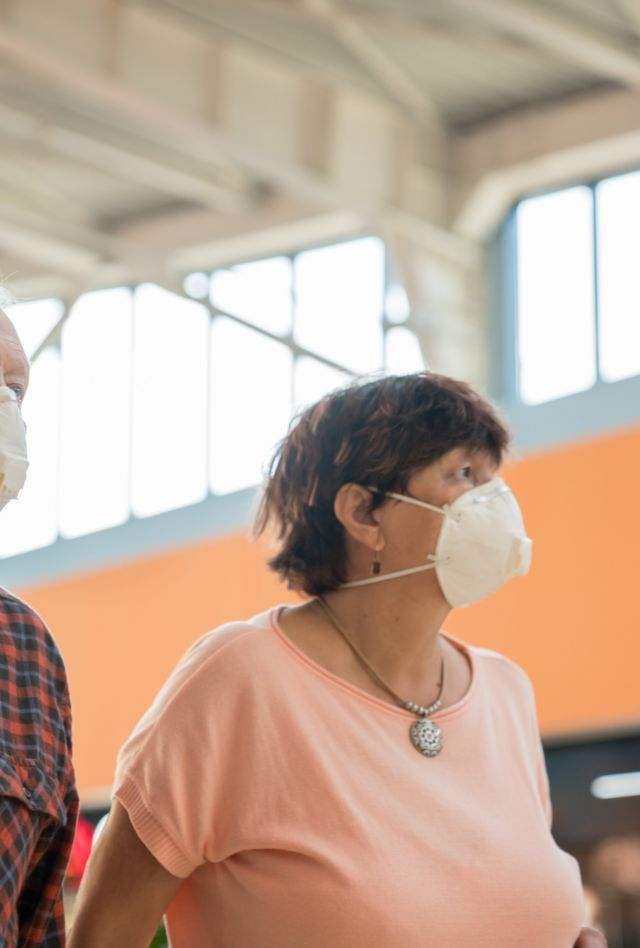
232, 640
497, 667
506, 677
221, 662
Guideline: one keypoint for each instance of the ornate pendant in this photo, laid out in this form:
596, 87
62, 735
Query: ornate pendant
426, 737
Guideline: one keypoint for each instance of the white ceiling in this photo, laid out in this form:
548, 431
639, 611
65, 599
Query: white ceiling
143, 138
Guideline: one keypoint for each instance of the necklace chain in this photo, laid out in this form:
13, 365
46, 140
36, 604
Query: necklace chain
407, 705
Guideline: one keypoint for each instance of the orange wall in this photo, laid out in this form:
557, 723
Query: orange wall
573, 624
121, 631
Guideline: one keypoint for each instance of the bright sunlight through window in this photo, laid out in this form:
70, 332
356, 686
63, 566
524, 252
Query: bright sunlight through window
556, 322
578, 286
144, 401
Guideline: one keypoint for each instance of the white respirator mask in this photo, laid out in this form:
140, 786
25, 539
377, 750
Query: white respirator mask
13, 447
481, 545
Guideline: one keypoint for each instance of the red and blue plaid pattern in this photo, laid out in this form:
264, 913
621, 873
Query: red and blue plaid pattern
38, 798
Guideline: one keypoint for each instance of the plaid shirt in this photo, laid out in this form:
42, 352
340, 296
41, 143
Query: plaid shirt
38, 798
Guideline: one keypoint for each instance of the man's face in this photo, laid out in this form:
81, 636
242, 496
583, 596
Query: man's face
14, 365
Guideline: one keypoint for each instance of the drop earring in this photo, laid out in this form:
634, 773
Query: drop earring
376, 564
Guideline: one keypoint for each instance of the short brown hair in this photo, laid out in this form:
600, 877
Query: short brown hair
374, 433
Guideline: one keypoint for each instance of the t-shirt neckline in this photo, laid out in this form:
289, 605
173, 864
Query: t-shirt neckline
355, 691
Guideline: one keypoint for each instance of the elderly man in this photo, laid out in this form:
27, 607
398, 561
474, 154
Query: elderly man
38, 798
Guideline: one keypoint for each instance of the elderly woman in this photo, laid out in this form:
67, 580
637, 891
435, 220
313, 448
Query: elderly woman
345, 773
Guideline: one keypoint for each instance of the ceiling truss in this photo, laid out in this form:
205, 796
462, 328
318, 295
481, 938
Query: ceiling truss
151, 137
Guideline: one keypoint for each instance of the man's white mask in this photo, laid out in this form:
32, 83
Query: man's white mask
481, 545
13, 447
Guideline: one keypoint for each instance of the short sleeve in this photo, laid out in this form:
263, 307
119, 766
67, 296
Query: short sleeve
167, 771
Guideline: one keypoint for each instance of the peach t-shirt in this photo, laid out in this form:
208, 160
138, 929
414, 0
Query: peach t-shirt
299, 814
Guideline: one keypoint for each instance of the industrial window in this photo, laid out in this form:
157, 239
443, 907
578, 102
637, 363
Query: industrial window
578, 288
250, 402
618, 235
143, 400
95, 413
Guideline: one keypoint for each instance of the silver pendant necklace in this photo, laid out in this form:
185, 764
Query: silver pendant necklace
425, 734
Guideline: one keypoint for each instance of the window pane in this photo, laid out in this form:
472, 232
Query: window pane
34, 321
31, 521
169, 440
259, 292
556, 320
313, 379
619, 276
250, 403
403, 352
96, 410
396, 304
339, 302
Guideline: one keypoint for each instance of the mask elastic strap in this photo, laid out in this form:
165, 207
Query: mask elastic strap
400, 572
445, 511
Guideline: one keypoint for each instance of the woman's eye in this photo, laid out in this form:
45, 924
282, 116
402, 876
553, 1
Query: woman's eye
466, 471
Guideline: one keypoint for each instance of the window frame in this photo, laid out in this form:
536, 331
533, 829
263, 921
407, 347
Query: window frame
606, 405
509, 290
219, 511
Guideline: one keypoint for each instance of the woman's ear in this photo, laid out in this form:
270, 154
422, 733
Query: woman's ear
352, 507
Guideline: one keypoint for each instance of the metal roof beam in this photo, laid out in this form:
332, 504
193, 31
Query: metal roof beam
155, 119
190, 132
83, 243
350, 29
25, 182
353, 35
631, 12
127, 162
133, 166
27, 243
568, 142
558, 35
